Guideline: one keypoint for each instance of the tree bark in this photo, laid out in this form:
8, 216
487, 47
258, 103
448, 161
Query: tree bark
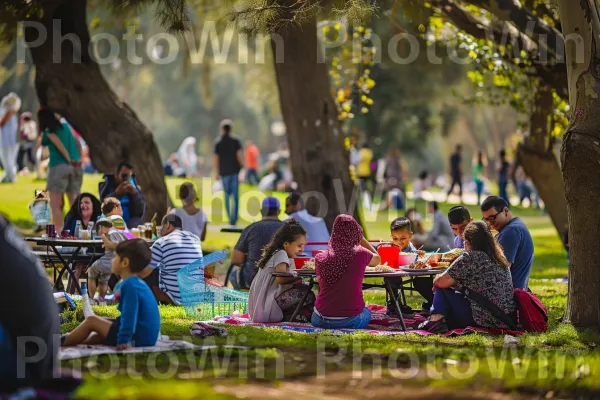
539, 162
69, 81
320, 163
580, 156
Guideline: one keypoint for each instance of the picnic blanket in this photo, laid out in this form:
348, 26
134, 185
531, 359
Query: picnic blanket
81, 351
381, 325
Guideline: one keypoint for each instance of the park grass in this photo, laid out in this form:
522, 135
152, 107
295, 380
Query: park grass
562, 360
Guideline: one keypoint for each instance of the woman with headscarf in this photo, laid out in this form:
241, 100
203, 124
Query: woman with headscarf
9, 128
340, 271
187, 156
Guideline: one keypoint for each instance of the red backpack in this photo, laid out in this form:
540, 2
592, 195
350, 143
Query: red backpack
532, 315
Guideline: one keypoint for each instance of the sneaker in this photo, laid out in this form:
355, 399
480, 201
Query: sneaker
439, 326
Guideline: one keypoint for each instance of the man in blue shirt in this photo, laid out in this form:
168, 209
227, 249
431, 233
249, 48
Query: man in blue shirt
315, 227
124, 187
459, 217
513, 236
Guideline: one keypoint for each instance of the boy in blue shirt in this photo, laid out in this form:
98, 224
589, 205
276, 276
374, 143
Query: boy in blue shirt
139, 323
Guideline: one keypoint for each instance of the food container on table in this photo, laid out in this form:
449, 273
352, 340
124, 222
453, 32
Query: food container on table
51, 230
300, 261
389, 253
135, 232
66, 234
406, 258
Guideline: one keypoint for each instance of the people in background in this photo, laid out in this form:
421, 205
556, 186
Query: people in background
28, 135
9, 132
123, 186
459, 217
64, 168
248, 250
172, 167
393, 174
85, 209
100, 271
174, 250
340, 272
440, 236
456, 171
478, 176
503, 171
274, 299
188, 157
29, 311
419, 235
513, 236
315, 227
420, 184
482, 269
252, 157
227, 163
139, 322
363, 168
193, 218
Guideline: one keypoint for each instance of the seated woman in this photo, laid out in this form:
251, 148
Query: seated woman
274, 299
340, 271
85, 209
194, 219
482, 269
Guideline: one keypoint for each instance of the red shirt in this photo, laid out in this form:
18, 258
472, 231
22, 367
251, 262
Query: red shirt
251, 157
345, 297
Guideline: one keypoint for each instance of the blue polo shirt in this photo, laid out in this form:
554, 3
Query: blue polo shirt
516, 241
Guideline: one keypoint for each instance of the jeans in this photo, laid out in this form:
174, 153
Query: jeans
26, 151
454, 306
479, 190
359, 321
503, 186
231, 187
252, 177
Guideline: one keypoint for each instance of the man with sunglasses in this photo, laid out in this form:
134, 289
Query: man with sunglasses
513, 236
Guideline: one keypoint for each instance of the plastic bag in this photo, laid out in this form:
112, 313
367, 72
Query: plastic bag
40, 211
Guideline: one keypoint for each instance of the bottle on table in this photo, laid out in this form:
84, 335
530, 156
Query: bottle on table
78, 229
90, 229
85, 300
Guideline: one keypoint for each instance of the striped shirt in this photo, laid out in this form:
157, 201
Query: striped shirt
171, 253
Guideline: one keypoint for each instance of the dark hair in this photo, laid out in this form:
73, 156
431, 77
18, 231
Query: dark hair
47, 120
173, 220
480, 238
106, 223
480, 158
75, 210
435, 205
289, 232
294, 199
124, 164
226, 128
109, 204
458, 147
400, 223
423, 174
495, 202
458, 215
137, 252
502, 153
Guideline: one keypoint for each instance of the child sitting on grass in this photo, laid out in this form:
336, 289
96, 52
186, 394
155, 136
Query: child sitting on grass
99, 272
111, 209
139, 323
401, 233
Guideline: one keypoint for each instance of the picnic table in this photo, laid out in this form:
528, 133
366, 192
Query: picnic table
405, 278
75, 255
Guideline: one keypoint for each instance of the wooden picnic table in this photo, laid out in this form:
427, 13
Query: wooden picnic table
68, 259
405, 278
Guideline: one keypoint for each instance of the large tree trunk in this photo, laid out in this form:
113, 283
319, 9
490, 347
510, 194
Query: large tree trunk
320, 163
580, 156
536, 156
77, 90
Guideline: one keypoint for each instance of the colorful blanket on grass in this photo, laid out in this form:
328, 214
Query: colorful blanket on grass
381, 324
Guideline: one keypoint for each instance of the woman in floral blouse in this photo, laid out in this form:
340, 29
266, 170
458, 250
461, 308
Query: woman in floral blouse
482, 269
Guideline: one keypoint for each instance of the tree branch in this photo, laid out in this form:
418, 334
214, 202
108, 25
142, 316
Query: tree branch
595, 21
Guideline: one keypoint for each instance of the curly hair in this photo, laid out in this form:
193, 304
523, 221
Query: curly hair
479, 236
289, 232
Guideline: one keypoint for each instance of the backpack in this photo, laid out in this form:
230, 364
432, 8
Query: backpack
531, 315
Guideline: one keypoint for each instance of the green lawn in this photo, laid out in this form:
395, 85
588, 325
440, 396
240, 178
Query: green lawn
562, 361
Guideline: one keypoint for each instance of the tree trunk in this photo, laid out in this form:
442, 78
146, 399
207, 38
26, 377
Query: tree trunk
580, 156
537, 158
75, 87
320, 163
